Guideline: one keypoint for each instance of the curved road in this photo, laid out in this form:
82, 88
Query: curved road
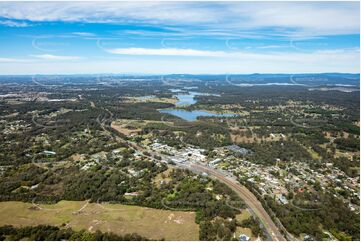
248, 197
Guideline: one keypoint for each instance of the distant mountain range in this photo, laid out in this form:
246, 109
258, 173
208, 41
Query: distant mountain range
256, 79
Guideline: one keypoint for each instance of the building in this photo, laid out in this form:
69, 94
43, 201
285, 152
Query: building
204, 174
48, 152
131, 194
282, 199
243, 237
214, 162
238, 150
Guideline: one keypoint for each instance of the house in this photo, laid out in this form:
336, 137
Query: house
243, 237
131, 194
48, 152
204, 174
34, 186
178, 160
237, 149
282, 199
214, 162
307, 238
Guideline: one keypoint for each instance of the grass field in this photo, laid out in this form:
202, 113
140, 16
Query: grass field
150, 100
245, 214
132, 126
116, 218
164, 176
246, 231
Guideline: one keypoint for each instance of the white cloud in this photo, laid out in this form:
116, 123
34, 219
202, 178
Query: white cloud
104, 11
11, 23
309, 18
294, 19
300, 58
235, 62
11, 60
83, 34
166, 52
56, 57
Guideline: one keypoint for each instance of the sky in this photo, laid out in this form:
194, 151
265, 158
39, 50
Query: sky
179, 37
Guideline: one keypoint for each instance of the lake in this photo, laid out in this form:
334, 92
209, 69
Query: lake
193, 115
185, 99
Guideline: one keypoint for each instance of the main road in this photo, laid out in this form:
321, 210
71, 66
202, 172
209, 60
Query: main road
248, 197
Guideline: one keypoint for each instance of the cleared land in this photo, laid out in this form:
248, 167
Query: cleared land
163, 177
150, 99
239, 135
129, 126
245, 214
116, 218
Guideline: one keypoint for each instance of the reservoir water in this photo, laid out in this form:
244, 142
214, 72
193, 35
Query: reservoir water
186, 98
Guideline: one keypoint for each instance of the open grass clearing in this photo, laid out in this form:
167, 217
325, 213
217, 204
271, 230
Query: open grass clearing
245, 214
150, 99
130, 126
246, 231
116, 218
163, 177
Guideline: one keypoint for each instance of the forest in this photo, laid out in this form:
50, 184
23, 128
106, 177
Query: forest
52, 233
56, 143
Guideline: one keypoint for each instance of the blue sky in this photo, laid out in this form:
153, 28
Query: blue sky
179, 37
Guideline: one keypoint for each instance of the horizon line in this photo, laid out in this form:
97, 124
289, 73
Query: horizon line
190, 74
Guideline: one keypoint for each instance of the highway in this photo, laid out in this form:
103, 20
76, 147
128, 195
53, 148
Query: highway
248, 197
250, 200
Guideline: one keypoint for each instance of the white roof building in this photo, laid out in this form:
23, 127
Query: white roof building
243, 237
